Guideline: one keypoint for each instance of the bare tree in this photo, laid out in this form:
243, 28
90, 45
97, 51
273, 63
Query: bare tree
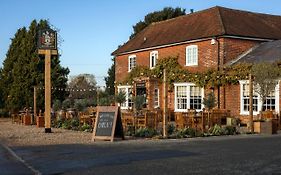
265, 78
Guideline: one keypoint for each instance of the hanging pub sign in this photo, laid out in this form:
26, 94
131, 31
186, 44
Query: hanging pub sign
47, 39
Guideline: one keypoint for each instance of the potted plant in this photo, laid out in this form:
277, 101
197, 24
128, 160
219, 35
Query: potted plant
209, 102
120, 97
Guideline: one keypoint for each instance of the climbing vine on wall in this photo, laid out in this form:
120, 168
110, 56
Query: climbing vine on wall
176, 73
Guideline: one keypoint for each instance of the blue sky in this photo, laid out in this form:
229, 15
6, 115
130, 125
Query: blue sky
93, 29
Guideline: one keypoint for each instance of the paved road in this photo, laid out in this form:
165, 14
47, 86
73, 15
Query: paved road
9, 164
214, 155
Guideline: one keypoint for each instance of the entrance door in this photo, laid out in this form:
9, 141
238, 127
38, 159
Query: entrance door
141, 91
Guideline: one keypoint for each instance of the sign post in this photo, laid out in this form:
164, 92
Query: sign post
47, 45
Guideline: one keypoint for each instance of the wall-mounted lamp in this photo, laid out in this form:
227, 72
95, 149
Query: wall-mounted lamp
213, 41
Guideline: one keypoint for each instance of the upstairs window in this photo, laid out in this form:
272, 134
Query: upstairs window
132, 62
192, 55
153, 58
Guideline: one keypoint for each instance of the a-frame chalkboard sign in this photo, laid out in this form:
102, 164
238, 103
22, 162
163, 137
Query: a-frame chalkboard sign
108, 125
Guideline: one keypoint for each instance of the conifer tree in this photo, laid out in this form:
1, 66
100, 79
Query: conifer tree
23, 69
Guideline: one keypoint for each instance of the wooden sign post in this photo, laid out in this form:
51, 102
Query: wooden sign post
47, 45
108, 125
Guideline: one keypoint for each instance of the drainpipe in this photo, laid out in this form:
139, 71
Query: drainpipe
213, 41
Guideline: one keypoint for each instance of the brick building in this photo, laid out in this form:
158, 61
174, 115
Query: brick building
206, 39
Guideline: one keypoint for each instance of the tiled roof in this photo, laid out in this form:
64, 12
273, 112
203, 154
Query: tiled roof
216, 21
265, 52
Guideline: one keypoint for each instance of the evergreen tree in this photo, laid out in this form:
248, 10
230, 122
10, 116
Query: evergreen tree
166, 13
110, 79
23, 69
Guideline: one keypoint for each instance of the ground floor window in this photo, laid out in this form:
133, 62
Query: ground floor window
270, 103
188, 96
156, 97
128, 91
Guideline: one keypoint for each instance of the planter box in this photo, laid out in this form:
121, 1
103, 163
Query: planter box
27, 120
263, 127
40, 122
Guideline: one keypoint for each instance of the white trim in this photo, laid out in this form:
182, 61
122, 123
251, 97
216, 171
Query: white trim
158, 96
153, 55
127, 87
192, 41
129, 62
277, 93
187, 84
187, 50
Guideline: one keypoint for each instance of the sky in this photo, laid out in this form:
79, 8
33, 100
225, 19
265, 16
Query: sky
92, 29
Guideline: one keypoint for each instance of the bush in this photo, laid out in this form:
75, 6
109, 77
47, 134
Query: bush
171, 129
230, 130
130, 131
58, 123
218, 130
75, 124
66, 124
66, 104
86, 127
57, 105
80, 104
185, 133
145, 132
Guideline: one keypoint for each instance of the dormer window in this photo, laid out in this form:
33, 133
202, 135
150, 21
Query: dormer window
192, 55
132, 62
153, 58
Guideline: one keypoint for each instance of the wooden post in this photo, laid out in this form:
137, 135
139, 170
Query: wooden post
47, 45
48, 91
34, 105
251, 125
165, 105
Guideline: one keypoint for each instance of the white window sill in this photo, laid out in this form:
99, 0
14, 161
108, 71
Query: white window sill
190, 65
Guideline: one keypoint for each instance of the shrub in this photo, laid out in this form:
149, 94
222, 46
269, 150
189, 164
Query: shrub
216, 130
66, 104
57, 123
66, 124
171, 129
75, 124
86, 127
57, 105
130, 131
145, 132
230, 130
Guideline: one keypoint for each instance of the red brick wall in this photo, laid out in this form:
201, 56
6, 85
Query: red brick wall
207, 58
235, 47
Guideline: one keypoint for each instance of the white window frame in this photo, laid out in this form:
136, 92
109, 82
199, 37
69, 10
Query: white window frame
191, 57
188, 85
153, 59
260, 103
131, 62
127, 91
158, 100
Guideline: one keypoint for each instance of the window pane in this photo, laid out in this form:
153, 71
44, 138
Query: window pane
195, 97
191, 55
181, 97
